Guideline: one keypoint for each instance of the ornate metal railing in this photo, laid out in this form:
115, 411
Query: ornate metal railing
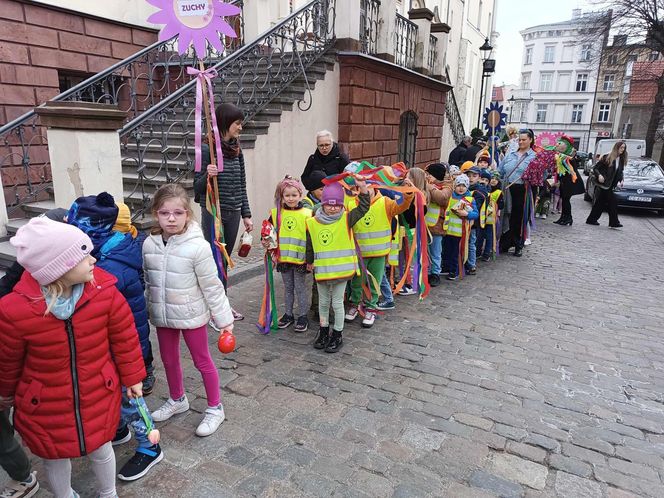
432, 57
158, 144
405, 38
135, 84
369, 10
452, 114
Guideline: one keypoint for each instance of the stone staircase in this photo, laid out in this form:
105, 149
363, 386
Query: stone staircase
154, 177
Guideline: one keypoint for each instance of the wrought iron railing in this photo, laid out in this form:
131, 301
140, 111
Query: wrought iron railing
369, 10
158, 144
432, 57
452, 114
135, 84
405, 38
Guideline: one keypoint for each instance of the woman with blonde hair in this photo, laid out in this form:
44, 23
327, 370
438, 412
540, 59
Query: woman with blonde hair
608, 173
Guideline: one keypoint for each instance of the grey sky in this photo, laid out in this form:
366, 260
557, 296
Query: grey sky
515, 15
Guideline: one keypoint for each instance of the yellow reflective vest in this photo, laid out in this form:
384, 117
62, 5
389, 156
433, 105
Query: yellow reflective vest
432, 214
292, 234
335, 256
492, 209
374, 231
453, 224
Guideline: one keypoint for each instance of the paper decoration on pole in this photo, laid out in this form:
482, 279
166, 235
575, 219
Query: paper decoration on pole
547, 138
195, 21
494, 120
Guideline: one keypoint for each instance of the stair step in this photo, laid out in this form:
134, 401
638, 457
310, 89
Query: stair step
7, 253
158, 180
13, 225
38, 207
272, 115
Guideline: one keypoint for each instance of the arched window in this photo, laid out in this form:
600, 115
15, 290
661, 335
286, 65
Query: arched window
407, 138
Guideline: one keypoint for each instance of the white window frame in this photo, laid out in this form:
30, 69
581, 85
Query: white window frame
528, 56
579, 79
577, 113
609, 82
549, 86
540, 113
549, 54
525, 81
586, 52
604, 112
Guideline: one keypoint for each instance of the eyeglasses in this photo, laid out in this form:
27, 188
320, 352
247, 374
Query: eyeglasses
324, 146
178, 213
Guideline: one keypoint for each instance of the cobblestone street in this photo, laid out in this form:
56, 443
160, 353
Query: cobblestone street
538, 377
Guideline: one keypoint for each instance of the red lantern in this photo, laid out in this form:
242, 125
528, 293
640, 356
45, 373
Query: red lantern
226, 342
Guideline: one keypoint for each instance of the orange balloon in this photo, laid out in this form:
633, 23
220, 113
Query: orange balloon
226, 343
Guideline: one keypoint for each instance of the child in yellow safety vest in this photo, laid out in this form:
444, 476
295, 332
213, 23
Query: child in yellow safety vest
314, 185
487, 237
440, 192
290, 223
460, 211
332, 255
374, 238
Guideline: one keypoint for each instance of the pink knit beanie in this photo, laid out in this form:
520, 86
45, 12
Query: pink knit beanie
333, 194
48, 249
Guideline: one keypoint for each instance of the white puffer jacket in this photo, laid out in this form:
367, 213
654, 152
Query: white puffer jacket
182, 286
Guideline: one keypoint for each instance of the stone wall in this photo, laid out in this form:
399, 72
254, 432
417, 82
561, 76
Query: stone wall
38, 41
373, 95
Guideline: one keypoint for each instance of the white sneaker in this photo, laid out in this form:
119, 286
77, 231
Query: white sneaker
407, 290
543, 216
213, 419
527, 242
368, 320
170, 408
21, 489
352, 313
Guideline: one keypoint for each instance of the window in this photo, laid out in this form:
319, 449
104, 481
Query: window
408, 138
529, 56
577, 113
540, 117
568, 51
613, 60
525, 81
546, 80
654, 55
609, 80
581, 82
586, 52
564, 81
549, 53
604, 112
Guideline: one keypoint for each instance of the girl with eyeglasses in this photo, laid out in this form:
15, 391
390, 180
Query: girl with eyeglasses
184, 292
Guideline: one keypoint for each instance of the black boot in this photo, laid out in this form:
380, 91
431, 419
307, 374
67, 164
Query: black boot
568, 221
323, 337
336, 342
518, 251
560, 220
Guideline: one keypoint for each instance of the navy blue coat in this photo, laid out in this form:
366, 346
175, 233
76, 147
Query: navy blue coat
121, 255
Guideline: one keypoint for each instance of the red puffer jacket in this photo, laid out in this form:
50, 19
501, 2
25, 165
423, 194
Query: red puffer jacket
61, 372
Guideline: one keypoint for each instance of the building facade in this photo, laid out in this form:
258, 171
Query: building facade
559, 76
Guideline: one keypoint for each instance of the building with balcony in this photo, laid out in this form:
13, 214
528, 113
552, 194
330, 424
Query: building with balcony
559, 73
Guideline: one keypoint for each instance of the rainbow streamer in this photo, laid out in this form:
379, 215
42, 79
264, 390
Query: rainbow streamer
267, 319
221, 256
528, 213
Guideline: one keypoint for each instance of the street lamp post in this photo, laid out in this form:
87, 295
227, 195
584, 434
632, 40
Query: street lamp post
511, 100
488, 67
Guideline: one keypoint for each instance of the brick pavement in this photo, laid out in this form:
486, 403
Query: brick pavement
539, 377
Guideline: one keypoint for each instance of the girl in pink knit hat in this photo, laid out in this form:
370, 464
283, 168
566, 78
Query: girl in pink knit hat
68, 344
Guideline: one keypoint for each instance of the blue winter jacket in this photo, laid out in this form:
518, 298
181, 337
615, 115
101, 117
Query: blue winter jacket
122, 256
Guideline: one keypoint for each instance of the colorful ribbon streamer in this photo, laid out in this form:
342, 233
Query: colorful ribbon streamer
204, 78
267, 319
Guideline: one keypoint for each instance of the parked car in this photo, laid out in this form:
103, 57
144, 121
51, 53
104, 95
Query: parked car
585, 160
643, 186
636, 148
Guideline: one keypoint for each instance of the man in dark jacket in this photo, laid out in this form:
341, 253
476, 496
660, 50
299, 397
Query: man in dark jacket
473, 150
458, 153
327, 158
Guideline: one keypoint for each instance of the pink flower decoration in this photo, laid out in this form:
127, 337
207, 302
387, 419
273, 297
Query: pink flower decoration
195, 21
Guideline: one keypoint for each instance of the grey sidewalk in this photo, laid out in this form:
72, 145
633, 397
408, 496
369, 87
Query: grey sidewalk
538, 377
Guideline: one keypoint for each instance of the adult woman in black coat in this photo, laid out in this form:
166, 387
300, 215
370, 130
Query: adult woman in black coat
608, 173
328, 158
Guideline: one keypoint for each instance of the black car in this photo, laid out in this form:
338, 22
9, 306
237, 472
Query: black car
643, 186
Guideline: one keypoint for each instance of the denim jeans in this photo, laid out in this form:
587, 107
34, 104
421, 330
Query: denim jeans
435, 254
485, 241
472, 249
385, 288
